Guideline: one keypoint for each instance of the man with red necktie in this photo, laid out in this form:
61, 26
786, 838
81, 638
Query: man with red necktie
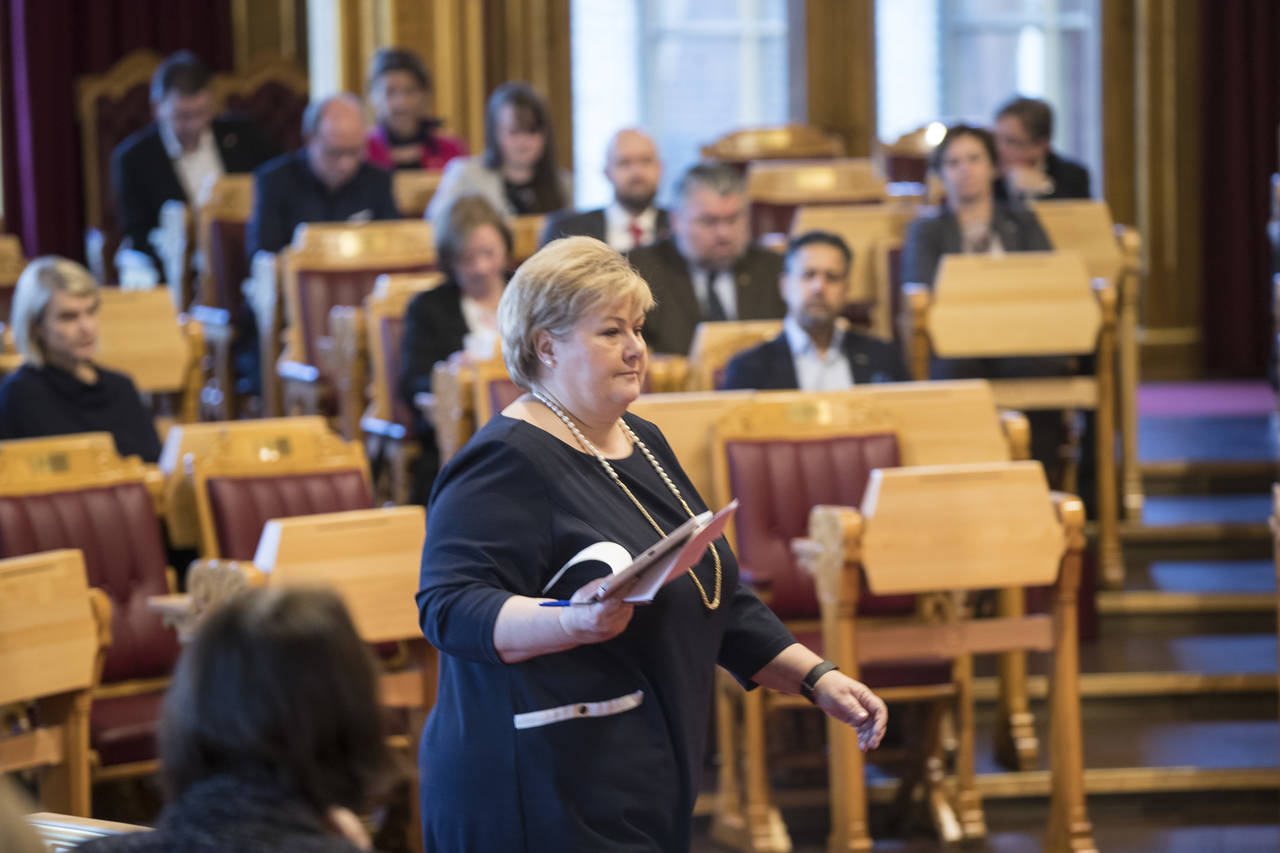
631, 220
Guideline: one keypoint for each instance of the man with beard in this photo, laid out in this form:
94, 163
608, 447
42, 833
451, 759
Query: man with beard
815, 352
631, 220
707, 269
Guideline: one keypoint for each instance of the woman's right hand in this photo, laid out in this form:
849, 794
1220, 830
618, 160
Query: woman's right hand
596, 622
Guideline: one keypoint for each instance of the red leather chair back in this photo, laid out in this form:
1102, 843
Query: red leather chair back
241, 506
778, 482
502, 393
117, 529
228, 266
392, 338
115, 119
320, 290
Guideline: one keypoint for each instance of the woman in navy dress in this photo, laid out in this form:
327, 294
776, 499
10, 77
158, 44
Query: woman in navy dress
583, 727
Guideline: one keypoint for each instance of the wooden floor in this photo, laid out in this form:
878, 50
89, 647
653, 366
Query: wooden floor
1181, 720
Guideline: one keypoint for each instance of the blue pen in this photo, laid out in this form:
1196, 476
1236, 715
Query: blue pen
565, 603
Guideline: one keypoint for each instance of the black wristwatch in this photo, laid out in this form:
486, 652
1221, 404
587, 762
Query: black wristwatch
810, 681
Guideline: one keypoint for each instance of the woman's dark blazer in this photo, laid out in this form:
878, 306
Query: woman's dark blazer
434, 329
931, 237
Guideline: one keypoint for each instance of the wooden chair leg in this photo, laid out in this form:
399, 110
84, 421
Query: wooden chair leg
762, 829
1069, 827
1017, 746
847, 771
66, 787
728, 818
968, 803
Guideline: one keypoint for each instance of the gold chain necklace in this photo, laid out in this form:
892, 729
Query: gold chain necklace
709, 603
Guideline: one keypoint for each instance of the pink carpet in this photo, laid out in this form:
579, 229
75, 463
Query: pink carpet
1188, 399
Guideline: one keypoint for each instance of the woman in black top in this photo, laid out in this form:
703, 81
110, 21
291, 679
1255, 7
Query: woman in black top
457, 318
271, 736
581, 727
59, 390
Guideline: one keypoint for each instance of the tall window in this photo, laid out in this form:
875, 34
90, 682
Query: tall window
960, 59
688, 71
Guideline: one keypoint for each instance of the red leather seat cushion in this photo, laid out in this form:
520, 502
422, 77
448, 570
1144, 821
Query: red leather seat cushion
117, 529
123, 728
243, 505
778, 482
319, 291
907, 673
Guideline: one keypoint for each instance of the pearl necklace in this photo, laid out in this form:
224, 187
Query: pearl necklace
709, 603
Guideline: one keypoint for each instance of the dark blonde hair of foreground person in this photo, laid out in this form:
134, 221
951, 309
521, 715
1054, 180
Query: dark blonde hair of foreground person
564, 722
16, 836
271, 737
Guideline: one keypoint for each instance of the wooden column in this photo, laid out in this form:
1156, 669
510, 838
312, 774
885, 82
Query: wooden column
265, 29
1168, 177
1119, 94
839, 45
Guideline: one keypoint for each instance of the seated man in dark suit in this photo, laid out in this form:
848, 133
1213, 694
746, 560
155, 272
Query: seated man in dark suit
327, 180
632, 220
815, 351
708, 269
1029, 169
179, 154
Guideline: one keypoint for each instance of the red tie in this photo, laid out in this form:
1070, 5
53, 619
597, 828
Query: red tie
637, 233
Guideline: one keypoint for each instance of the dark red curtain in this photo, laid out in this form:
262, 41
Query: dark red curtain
44, 46
1240, 43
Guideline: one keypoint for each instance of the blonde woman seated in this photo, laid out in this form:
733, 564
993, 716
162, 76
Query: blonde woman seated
589, 721
270, 739
59, 390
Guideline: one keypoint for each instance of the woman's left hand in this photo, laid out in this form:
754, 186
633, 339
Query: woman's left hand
853, 702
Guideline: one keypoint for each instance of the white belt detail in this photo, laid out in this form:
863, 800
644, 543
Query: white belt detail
533, 719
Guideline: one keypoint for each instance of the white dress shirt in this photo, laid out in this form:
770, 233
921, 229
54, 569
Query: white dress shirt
617, 227
196, 169
818, 371
481, 339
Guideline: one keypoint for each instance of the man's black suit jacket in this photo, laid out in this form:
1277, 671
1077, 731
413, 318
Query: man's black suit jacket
591, 223
143, 178
1070, 179
670, 325
770, 367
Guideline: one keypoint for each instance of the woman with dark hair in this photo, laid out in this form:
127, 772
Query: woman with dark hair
458, 316
270, 737
405, 134
517, 173
971, 220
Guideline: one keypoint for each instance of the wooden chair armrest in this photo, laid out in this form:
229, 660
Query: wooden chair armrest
153, 478
1070, 512
833, 554
1017, 433
209, 583
100, 604
914, 328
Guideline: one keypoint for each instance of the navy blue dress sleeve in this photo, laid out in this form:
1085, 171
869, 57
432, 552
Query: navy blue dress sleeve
489, 535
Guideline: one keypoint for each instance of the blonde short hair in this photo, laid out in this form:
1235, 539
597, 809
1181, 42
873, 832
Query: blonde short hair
31, 297
566, 280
